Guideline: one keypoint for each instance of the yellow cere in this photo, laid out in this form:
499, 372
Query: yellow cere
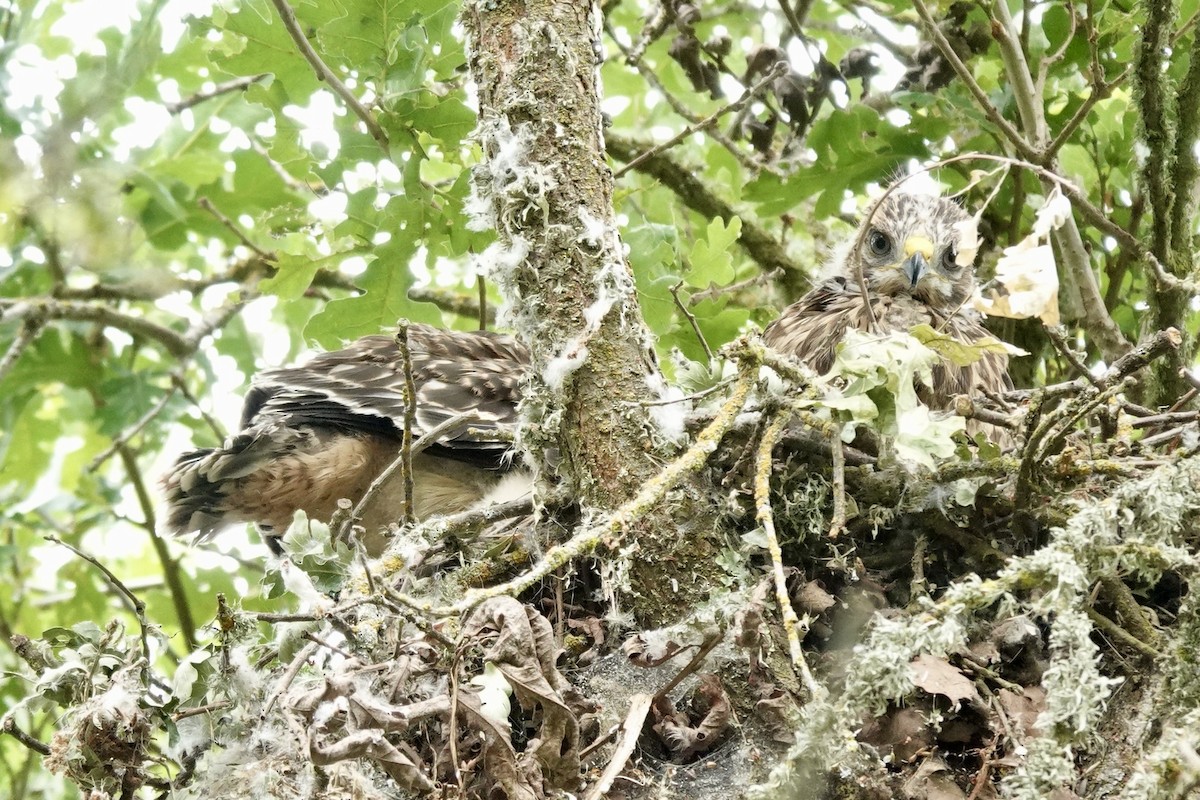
918, 244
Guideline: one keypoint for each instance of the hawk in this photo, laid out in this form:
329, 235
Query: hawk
906, 251
314, 434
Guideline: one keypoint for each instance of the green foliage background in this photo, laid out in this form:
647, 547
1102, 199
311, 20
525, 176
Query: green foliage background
145, 204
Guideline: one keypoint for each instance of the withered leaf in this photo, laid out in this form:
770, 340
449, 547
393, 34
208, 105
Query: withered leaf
520, 642
645, 653
938, 676
813, 599
1023, 709
933, 780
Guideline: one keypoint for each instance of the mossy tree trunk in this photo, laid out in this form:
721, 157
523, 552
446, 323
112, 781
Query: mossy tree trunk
560, 264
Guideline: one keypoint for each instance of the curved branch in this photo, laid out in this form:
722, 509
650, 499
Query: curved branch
1151, 93
1013, 135
288, 16
696, 195
48, 308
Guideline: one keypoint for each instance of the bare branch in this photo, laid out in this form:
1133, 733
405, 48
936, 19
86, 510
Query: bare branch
207, 205
707, 122
696, 195
9, 726
235, 85
170, 566
27, 336
49, 308
134, 602
651, 78
1014, 136
326, 74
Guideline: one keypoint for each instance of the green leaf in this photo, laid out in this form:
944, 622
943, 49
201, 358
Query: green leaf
711, 258
960, 353
879, 375
295, 274
384, 301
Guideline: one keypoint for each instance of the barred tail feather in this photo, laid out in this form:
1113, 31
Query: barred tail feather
195, 503
202, 488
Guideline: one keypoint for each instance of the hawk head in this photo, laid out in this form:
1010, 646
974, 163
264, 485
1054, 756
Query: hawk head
909, 244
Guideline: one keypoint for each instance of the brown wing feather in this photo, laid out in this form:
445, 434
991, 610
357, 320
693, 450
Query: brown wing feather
812, 327
321, 431
361, 387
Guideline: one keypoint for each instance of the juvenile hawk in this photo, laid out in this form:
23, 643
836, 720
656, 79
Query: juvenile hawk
320, 432
907, 251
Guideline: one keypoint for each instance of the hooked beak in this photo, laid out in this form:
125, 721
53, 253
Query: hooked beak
918, 251
915, 268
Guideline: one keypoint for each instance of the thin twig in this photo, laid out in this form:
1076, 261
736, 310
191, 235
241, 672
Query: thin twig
711, 639
1060, 343
232, 226
1066, 419
764, 278
169, 565
218, 318
685, 399
235, 85
481, 289
196, 711
134, 429
707, 122
214, 425
50, 308
1169, 418
838, 525
293, 670
312, 637
410, 419
691, 318
965, 406
610, 531
761, 245
766, 519
630, 732
137, 606
292, 25
404, 461
28, 335
1110, 628
651, 78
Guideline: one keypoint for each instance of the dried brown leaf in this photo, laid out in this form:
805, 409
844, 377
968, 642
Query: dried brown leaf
902, 730
644, 653
938, 676
685, 739
373, 745
520, 642
813, 599
933, 780
1023, 709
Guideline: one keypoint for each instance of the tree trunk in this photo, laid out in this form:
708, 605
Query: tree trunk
559, 262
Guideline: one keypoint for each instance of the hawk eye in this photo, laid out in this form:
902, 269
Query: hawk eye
950, 259
879, 243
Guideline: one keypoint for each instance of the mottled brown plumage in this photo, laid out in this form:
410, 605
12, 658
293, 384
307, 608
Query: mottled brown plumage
906, 250
314, 434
